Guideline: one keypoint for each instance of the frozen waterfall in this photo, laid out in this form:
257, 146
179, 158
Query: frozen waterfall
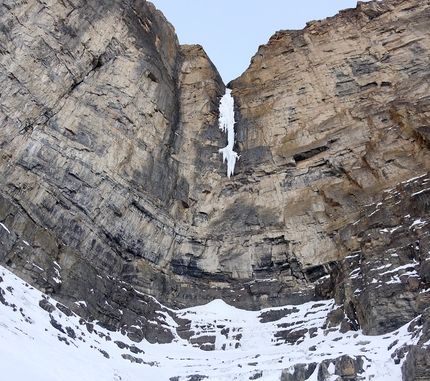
226, 123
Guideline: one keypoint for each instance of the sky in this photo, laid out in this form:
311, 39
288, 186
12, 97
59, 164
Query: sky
231, 31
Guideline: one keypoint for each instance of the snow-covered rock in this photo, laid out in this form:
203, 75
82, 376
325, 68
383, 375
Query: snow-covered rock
40, 343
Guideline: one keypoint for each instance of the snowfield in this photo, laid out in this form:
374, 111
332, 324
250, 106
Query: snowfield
40, 346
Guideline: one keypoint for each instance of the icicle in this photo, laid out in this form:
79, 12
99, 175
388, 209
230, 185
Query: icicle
226, 123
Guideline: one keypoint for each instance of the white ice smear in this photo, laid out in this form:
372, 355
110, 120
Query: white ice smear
226, 123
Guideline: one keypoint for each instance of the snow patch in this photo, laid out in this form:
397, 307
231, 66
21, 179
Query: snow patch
391, 231
417, 223
413, 179
421, 191
5, 228
397, 269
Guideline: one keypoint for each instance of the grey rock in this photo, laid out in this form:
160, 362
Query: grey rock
301, 372
2, 298
417, 364
56, 324
65, 310
121, 345
205, 342
274, 315
346, 367
196, 377
104, 353
132, 359
135, 350
256, 376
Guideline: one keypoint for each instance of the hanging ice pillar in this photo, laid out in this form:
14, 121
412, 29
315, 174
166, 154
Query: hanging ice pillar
226, 123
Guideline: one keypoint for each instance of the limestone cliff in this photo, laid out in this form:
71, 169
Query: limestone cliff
112, 183
331, 117
104, 120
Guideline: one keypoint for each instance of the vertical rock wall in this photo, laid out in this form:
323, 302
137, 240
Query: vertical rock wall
100, 110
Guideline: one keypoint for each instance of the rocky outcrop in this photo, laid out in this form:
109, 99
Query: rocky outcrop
345, 367
417, 362
112, 186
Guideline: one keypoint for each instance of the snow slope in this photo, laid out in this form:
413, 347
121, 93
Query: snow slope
38, 345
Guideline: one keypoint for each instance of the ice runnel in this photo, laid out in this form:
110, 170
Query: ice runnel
226, 123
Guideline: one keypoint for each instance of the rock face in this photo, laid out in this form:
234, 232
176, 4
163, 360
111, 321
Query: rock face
97, 117
330, 117
112, 186
417, 363
99, 107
